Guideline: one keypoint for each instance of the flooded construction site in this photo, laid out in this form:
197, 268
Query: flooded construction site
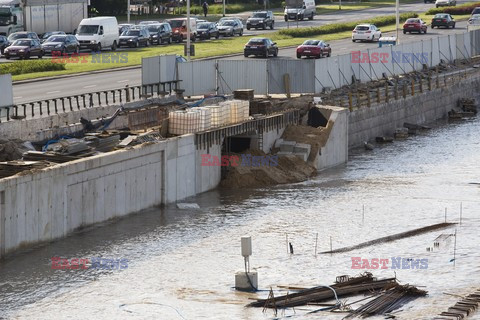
182, 262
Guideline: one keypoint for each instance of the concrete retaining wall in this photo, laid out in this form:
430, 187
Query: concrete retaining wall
367, 123
335, 151
50, 203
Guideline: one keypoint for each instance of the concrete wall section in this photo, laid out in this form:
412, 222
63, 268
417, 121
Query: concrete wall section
335, 151
367, 123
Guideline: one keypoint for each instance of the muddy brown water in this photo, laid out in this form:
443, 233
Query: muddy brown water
181, 263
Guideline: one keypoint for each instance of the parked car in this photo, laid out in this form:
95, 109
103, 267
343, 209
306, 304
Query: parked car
62, 43
443, 20
135, 37
24, 49
230, 28
314, 48
179, 29
260, 47
414, 25
21, 35
3, 43
366, 32
208, 30
124, 27
47, 35
160, 33
445, 3
474, 19
240, 21
261, 19
201, 21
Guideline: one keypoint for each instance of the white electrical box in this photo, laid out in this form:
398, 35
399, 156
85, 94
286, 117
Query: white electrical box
246, 246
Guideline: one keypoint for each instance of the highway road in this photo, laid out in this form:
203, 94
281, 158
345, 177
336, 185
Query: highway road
48, 89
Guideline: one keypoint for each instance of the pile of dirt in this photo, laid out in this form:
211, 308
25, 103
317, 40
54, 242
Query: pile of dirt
11, 150
289, 169
315, 137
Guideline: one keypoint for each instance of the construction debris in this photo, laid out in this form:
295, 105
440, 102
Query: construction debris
463, 308
467, 105
243, 94
343, 286
11, 168
388, 301
394, 237
401, 133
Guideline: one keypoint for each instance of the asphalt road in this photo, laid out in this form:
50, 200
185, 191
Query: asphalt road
116, 79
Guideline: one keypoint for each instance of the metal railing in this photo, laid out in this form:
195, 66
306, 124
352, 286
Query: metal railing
36, 109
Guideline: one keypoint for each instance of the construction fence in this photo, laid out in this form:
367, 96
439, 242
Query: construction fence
307, 75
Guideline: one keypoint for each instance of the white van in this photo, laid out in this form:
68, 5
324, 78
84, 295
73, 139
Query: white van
298, 9
98, 33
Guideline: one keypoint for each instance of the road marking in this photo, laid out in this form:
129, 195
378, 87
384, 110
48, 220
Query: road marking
123, 80
51, 92
90, 86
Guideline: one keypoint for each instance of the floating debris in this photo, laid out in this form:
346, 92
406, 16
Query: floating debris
388, 301
394, 237
463, 308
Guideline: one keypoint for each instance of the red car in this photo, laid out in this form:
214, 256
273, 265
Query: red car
414, 25
314, 48
24, 49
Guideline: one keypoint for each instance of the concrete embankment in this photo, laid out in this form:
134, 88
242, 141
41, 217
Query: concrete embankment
382, 119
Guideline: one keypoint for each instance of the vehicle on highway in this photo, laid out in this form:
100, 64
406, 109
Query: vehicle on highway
63, 44
24, 49
98, 33
476, 10
295, 11
261, 19
3, 43
230, 28
179, 29
445, 3
428, 1
124, 27
260, 47
208, 30
160, 33
231, 18
21, 35
148, 22
201, 21
47, 35
366, 32
474, 19
414, 25
443, 20
314, 48
134, 37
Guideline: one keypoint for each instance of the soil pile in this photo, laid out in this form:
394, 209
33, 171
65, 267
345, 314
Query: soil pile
289, 169
11, 150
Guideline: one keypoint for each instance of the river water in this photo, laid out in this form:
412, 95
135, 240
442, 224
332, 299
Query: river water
181, 263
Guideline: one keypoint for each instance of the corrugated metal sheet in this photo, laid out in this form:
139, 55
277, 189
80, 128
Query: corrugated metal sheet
242, 74
201, 77
301, 73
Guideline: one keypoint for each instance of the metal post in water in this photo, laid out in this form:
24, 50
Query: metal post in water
455, 248
363, 213
461, 207
316, 242
331, 244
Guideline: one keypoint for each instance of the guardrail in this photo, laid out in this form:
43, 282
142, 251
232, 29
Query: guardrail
35, 109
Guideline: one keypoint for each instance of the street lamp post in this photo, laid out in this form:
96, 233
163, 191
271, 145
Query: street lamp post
128, 11
224, 8
397, 18
188, 30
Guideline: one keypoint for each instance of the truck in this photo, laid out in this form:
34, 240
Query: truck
41, 16
299, 9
